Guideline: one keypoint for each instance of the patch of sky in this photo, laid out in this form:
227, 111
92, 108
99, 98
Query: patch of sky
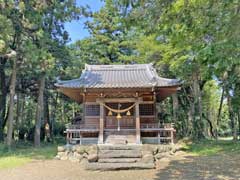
76, 28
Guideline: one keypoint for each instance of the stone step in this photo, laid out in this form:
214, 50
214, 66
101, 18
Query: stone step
120, 138
118, 166
120, 154
120, 133
119, 151
120, 147
116, 141
119, 160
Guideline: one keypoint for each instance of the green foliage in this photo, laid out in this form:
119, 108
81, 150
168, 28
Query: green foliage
210, 147
6, 32
110, 40
35, 30
194, 41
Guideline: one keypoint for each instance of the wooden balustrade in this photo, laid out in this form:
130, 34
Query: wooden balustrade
165, 132
157, 125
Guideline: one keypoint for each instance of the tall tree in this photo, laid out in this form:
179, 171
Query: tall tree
112, 41
199, 39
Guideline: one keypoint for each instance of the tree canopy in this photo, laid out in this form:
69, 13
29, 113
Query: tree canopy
196, 41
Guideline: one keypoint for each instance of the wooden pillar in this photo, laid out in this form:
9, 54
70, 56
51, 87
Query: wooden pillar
84, 107
138, 130
155, 107
80, 136
159, 140
68, 138
172, 137
101, 125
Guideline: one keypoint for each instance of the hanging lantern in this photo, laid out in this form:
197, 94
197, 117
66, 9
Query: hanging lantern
128, 113
110, 113
119, 116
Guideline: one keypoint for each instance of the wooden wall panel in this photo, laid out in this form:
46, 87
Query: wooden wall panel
125, 122
149, 119
91, 98
91, 122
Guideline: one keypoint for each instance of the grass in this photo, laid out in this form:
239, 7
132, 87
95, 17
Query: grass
13, 161
211, 147
23, 153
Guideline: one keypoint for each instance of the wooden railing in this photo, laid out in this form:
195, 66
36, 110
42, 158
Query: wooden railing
73, 132
81, 127
156, 125
165, 132
143, 126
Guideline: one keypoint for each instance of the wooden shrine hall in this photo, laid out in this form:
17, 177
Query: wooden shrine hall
119, 105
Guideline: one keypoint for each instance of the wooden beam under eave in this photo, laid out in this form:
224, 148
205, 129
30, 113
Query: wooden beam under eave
119, 90
120, 100
164, 92
72, 93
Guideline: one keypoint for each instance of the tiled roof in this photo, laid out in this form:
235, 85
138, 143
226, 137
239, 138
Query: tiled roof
118, 76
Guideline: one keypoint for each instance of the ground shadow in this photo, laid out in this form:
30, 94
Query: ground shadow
220, 166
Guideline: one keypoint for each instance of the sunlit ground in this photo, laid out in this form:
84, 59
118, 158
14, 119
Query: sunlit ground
207, 159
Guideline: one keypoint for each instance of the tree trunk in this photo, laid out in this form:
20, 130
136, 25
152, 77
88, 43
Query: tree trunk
190, 123
239, 124
39, 113
47, 119
53, 114
198, 122
46, 109
22, 108
210, 125
6, 116
3, 97
63, 111
18, 111
175, 107
220, 110
11, 104
231, 116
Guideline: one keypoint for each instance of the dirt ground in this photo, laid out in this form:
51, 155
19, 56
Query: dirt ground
181, 166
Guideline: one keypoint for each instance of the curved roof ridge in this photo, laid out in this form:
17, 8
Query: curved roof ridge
119, 76
114, 66
149, 69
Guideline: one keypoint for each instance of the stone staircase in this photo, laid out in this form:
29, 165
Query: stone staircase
118, 157
120, 138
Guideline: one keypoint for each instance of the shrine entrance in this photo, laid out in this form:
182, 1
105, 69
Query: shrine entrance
119, 121
119, 128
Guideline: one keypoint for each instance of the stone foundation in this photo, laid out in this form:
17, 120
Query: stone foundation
77, 153
138, 154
